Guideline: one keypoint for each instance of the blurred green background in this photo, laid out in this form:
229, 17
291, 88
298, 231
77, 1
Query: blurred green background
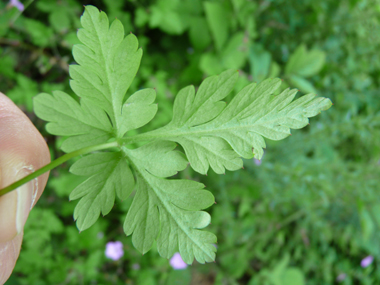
308, 213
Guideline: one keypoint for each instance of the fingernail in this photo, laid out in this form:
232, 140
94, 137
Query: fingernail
15, 207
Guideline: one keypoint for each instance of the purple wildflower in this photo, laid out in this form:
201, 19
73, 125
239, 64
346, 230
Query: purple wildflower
366, 261
114, 250
17, 4
176, 262
341, 277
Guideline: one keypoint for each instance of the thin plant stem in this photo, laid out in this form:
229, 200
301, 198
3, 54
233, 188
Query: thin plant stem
56, 163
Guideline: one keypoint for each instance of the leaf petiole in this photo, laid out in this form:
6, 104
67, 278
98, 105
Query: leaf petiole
56, 163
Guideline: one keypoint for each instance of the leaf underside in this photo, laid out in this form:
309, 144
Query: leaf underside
212, 134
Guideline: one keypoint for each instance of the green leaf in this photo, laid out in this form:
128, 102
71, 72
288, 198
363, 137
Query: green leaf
164, 16
284, 275
305, 63
159, 159
23, 92
141, 17
236, 52
217, 18
110, 176
168, 210
260, 62
138, 110
85, 123
203, 124
293, 276
170, 207
107, 60
211, 133
7, 64
303, 84
210, 64
199, 33
39, 34
59, 20
209, 151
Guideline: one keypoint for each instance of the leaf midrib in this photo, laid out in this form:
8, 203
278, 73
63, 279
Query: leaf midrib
204, 130
107, 71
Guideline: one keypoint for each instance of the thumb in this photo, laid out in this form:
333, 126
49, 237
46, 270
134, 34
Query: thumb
22, 151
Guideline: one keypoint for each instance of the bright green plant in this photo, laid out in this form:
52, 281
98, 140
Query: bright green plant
211, 133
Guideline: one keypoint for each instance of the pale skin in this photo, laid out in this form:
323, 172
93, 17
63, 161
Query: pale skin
22, 150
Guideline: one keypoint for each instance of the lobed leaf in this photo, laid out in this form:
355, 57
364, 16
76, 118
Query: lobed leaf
110, 175
305, 63
190, 110
212, 134
169, 211
107, 63
159, 158
85, 123
138, 110
218, 137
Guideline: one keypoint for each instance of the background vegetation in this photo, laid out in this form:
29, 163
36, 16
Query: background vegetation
308, 213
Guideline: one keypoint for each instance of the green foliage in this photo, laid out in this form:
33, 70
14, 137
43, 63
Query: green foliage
314, 198
304, 63
216, 14
164, 210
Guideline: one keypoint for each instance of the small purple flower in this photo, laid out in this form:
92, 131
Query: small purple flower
341, 277
176, 262
17, 4
366, 261
114, 250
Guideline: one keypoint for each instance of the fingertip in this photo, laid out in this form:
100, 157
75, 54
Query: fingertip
22, 151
